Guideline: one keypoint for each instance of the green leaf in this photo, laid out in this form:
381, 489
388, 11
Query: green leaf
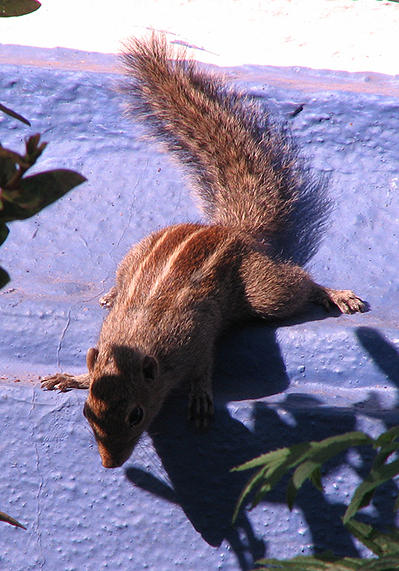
275, 465
7, 169
4, 231
315, 478
308, 456
4, 278
365, 490
10, 8
380, 543
37, 192
302, 473
323, 562
387, 436
10, 520
264, 459
327, 562
12, 113
384, 454
33, 149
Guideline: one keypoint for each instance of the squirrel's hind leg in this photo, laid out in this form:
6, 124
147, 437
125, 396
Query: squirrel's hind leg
279, 290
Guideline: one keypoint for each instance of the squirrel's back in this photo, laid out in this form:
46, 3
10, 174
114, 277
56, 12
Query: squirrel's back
244, 166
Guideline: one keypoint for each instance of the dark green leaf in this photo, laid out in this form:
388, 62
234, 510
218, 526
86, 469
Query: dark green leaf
387, 436
11, 520
384, 454
7, 169
315, 478
275, 465
323, 562
4, 231
37, 192
265, 459
308, 456
4, 278
12, 113
251, 485
14, 157
380, 543
33, 149
385, 563
330, 563
366, 489
302, 473
17, 7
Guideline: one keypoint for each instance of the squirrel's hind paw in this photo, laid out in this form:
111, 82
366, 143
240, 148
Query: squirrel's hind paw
345, 300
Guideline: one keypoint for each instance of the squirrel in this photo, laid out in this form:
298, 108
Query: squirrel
179, 288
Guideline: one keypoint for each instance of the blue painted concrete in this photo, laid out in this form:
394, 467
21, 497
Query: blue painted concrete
170, 505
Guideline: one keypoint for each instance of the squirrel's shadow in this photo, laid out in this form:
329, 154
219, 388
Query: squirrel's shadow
198, 464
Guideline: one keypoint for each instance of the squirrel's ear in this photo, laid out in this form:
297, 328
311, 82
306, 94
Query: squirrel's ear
149, 367
91, 358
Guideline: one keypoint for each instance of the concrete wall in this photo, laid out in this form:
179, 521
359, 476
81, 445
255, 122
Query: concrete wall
170, 506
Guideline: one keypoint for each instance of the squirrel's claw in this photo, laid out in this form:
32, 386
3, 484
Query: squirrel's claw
200, 409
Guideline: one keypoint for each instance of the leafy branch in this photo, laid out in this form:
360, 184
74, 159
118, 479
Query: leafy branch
24, 196
14, 114
306, 460
308, 457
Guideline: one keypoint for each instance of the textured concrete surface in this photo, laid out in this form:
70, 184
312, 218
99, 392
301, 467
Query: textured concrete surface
170, 505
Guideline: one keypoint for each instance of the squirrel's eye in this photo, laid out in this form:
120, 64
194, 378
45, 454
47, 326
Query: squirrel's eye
136, 416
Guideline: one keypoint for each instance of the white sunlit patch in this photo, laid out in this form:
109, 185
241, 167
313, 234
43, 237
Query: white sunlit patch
242, 413
286, 416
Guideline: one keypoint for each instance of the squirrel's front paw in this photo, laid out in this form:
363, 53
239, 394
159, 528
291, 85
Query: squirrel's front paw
63, 382
200, 408
108, 299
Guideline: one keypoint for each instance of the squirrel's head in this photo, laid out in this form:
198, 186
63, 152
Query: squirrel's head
120, 404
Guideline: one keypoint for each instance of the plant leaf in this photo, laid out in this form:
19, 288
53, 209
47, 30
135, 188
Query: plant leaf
10, 520
323, 562
37, 192
365, 490
308, 456
315, 478
10, 8
4, 231
273, 467
33, 150
387, 436
7, 169
304, 471
4, 278
327, 562
379, 542
10, 112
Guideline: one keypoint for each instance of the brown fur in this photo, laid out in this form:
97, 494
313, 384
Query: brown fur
180, 287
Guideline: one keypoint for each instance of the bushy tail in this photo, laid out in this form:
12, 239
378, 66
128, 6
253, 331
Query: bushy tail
243, 167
